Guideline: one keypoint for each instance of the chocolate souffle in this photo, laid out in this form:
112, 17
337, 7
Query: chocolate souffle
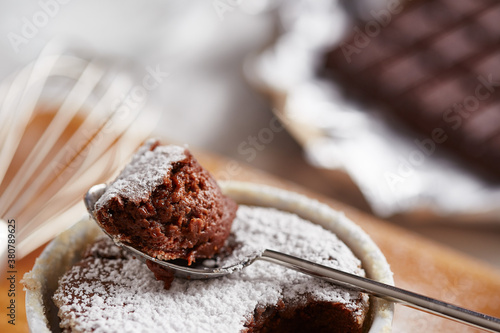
166, 204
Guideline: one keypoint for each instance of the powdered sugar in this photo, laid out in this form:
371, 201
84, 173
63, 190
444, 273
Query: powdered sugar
132, 182
126, 297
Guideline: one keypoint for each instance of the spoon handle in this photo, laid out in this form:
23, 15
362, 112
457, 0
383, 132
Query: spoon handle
384, 291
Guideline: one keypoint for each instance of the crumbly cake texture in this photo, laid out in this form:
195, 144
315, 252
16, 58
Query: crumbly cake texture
166, 204
109, 291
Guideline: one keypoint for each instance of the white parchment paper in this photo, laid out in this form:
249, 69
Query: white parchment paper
397, 170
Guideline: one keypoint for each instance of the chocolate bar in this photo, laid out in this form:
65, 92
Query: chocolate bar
436, 65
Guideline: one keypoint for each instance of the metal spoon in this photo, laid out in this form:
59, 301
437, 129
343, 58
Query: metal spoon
332, 275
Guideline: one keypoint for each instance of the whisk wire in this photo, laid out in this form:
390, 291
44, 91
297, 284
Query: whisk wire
69, 108
85, 135
67, 157
19, 105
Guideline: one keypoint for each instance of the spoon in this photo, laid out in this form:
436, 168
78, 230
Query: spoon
332, 275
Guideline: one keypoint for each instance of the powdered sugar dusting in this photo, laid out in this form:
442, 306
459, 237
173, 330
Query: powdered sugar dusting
146, 171
126, 291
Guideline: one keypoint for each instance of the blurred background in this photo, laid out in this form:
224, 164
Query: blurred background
225, 78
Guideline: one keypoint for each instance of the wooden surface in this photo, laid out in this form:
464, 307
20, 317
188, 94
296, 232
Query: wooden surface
418, 264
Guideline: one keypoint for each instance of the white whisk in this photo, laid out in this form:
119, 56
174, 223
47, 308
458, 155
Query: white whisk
65, 124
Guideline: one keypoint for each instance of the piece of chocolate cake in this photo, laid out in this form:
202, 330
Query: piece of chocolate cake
436, 64
164, 203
